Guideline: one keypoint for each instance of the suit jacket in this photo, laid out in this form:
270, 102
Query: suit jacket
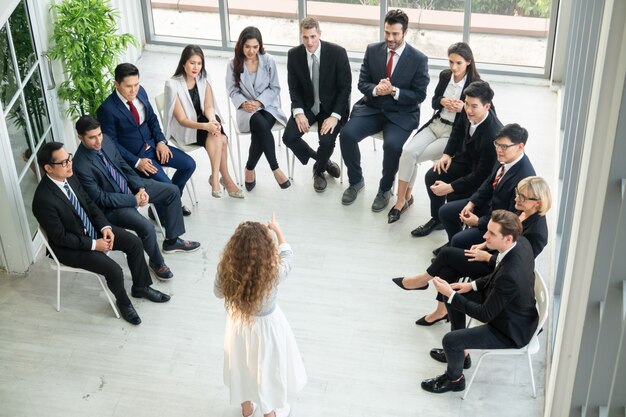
508, 297
487, 199
177, 87
535, 230
476, 151
410, 75
335, 80
54, 212
119, 125
97, 180
264, 88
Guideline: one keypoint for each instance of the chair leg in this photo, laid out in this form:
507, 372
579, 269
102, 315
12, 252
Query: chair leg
532, 376
232, 162
106, 292
473, 376
374, 143
58, 289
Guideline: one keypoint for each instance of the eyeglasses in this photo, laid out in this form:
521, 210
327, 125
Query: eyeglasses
523, 198
64, 163
502, 146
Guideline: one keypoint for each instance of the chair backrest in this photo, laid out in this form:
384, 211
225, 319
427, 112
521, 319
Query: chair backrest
44, 237
543, 301
159, 100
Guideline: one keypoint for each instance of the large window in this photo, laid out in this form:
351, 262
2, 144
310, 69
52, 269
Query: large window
511, 34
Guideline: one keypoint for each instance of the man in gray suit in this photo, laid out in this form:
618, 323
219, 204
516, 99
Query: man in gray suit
117, 190
393, 80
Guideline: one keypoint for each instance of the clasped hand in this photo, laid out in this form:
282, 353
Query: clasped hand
213, 127
105, 243
384, 87
251, 105
142, 197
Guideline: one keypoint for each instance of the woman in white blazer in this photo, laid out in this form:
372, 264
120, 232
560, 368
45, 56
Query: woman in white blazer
191, 117
252, 84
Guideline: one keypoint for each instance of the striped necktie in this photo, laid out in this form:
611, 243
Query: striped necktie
115, 174
496, 180
91, 232
315, 78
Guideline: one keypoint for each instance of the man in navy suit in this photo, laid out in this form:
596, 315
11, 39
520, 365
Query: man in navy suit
393, 80
504, 300
129, 120
115, 187
496, 192
80, 234
320, 83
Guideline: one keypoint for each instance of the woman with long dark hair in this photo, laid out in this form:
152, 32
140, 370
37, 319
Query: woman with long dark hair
253, 87
191, 117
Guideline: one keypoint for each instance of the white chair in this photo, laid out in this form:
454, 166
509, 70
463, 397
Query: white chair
157, 220
60, 267
234, 131
543, 302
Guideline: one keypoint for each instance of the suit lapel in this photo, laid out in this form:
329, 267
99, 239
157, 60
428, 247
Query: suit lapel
324, 64
56, 191
511, 172
402, 62
121, 107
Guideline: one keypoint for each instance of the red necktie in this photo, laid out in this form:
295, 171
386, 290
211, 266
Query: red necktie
390, 63
133, 111
496, 180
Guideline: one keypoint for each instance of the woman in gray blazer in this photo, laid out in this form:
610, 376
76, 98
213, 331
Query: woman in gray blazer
252, 84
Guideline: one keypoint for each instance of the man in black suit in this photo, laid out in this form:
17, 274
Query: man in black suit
117, 190
504, 300
468, 158
393, 80
80, 235
320, 83
496, 192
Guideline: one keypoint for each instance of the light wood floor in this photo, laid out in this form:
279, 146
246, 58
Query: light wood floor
355, 329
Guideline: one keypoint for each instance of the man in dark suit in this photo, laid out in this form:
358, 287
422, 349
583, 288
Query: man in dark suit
115, 187
468, 158
320, 83
79, 233
128, 119
504, 300
496, 192
393, 80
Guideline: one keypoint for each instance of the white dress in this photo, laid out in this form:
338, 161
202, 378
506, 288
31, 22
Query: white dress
262, 362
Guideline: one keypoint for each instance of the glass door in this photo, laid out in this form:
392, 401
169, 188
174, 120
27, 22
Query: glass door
24, 126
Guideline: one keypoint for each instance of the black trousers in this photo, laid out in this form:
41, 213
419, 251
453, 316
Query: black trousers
481, 337
451, 264
262, 140
101, 264
326, 143
455, 171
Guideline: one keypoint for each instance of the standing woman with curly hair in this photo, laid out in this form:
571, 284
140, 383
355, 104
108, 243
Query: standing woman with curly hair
262, 363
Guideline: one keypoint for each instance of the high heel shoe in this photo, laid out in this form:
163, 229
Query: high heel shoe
423, 322
285, 184
216, 194
398, 282
236, 194
250, 185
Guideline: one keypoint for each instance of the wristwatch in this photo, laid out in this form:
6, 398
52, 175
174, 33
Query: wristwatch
393, 91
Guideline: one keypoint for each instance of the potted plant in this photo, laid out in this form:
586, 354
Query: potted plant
86, 41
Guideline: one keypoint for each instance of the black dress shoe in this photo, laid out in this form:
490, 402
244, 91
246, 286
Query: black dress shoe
439, 355
285, 184
399, 283
129, 313
333, 169
186, 211
149, 293
442, 383
423, 322
436, 251
319, 182
427, 228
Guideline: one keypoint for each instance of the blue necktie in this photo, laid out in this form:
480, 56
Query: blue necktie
115, 174
81, 213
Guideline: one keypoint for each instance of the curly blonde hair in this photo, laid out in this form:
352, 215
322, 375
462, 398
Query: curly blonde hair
248, 269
